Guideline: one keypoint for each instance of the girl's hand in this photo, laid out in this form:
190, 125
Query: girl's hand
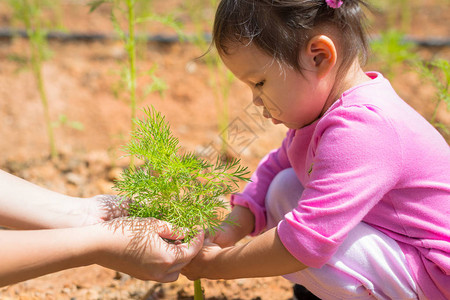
136, 247
202, 266
227, 235
243, 222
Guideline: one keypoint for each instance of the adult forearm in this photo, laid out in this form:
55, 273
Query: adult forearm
24, 205
29, 254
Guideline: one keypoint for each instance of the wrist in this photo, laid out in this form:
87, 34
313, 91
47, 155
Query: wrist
100, 242
73, 212
243, 221
88, 244
109, 243
221, 264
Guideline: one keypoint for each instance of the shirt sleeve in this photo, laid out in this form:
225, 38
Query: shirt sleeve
254, 195
356, 159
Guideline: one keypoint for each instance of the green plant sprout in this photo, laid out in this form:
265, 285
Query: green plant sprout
179, 188
438, 72
135, 12
31, 14
63, 120
391, 49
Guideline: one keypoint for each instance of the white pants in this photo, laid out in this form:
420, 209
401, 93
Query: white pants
368, 265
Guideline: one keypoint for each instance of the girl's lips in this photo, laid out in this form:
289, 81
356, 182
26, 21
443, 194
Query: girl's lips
267, 115
275, 121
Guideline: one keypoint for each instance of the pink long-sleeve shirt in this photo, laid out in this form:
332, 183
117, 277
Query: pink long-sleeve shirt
369, 158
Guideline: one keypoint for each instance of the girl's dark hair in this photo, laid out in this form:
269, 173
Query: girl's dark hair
280, 28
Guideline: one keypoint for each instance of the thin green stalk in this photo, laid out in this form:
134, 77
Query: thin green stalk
37, 70
436, 108
32, 23
405, 10
226, 81
198, 291
221, 101
131, 48
221, 80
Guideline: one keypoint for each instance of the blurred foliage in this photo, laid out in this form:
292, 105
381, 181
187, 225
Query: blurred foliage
398, 13
127, 17
390, 50
36, 16
201, 13
438, 73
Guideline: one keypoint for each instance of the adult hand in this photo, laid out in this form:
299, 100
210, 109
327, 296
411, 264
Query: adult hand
137, 247
133, 246
101, 208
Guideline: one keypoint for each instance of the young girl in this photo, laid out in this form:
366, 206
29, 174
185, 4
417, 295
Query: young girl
356, 201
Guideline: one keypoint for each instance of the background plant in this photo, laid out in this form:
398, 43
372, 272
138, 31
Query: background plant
398, 13
34, 14
127, 16
391, 50
176, 187
221, 79
438, 73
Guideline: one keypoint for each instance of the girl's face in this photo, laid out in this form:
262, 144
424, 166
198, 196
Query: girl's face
287, 97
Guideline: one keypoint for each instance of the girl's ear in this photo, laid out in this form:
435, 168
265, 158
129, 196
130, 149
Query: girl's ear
321, 55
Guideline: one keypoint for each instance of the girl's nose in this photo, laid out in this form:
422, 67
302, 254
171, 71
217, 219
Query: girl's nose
258, 101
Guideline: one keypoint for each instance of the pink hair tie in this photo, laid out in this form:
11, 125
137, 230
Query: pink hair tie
334, 3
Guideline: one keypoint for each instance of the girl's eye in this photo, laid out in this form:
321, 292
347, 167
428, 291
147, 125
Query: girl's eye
259, 84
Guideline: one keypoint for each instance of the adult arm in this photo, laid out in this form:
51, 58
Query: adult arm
132, 246
24, 205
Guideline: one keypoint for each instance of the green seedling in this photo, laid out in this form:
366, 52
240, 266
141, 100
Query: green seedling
63, 120
31, 14
438, 73
176, 187
135, 13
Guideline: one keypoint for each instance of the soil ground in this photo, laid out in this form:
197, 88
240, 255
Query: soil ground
81, 80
